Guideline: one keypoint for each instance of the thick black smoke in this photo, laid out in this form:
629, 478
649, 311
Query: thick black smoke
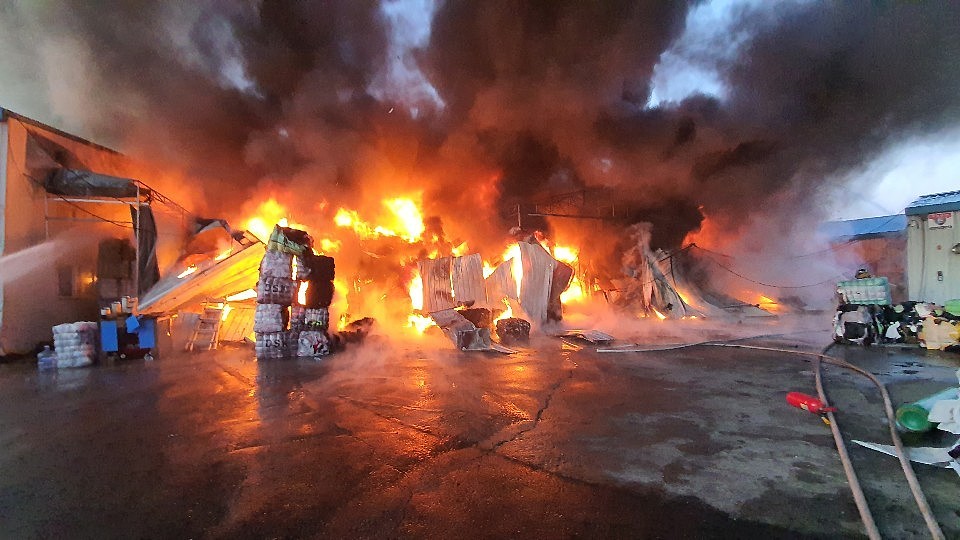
538, 99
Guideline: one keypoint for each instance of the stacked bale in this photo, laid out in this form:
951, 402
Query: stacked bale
75, 343
276, 291
284, 325
318, 272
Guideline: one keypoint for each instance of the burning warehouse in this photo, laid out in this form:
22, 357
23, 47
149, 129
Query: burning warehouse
411, 156
432, 267
79, 233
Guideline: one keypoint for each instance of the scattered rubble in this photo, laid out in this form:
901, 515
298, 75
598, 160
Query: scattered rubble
464, 304
513, 331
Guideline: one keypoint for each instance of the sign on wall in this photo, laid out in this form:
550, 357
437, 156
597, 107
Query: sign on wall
940, 220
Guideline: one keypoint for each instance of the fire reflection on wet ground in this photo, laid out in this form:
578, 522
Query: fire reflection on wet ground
399, 439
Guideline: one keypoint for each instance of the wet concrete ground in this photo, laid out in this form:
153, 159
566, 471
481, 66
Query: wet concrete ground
403, 440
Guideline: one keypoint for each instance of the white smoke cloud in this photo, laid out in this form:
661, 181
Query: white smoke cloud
400, 79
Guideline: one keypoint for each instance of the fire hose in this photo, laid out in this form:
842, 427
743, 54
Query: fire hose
859, 498
852, 480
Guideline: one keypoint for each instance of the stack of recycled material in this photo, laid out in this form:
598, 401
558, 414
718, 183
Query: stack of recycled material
941, 326
285, 325
866, 315
75, 343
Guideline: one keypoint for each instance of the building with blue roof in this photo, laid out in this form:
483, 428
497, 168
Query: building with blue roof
876, 244
933, 247
938, 202
864, 228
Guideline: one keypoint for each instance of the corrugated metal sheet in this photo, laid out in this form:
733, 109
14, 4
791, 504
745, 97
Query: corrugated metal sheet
938, 202
236, 273
239, 323
538, 266
501, 284
468, 286
865, 227
437, 291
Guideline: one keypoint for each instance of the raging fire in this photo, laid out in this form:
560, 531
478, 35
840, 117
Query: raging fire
399, 217
404, 217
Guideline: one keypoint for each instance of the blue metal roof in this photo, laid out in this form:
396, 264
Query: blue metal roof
938, 202
865, 227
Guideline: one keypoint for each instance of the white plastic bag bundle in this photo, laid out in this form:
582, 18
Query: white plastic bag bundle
317, 319
75, 343
66, 328
277, 264
275, 345
297, 318
275, 290
313, 343
268, 318
72, 360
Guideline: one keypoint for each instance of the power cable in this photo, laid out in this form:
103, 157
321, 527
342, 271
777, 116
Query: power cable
834, 247
39, 183
741, 276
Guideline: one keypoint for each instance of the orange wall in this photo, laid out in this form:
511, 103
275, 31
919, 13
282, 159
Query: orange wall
31, 304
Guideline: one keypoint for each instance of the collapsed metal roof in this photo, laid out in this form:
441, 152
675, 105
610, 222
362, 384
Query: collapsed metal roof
212, 279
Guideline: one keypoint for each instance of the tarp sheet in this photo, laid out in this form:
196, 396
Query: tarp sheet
147, 267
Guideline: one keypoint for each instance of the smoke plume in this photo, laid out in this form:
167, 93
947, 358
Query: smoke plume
505, 103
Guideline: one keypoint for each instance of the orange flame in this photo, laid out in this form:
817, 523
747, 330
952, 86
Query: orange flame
302, 293
403, 213
574, 293
190, 269
248, 294
408, 213
767, 303
416, 291
516, 266
565, 254
267, 214
419, 323
328, 245
506, 314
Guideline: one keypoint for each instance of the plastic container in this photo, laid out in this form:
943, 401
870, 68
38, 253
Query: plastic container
914, 416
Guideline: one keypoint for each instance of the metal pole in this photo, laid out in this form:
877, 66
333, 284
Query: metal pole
136, 239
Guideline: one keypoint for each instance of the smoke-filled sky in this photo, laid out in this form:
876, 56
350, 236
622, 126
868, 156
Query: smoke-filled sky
753, 110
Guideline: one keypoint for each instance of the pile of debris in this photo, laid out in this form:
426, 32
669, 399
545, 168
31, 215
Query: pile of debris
645, 286
941, 411
467, 306
286, 322
866, 315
